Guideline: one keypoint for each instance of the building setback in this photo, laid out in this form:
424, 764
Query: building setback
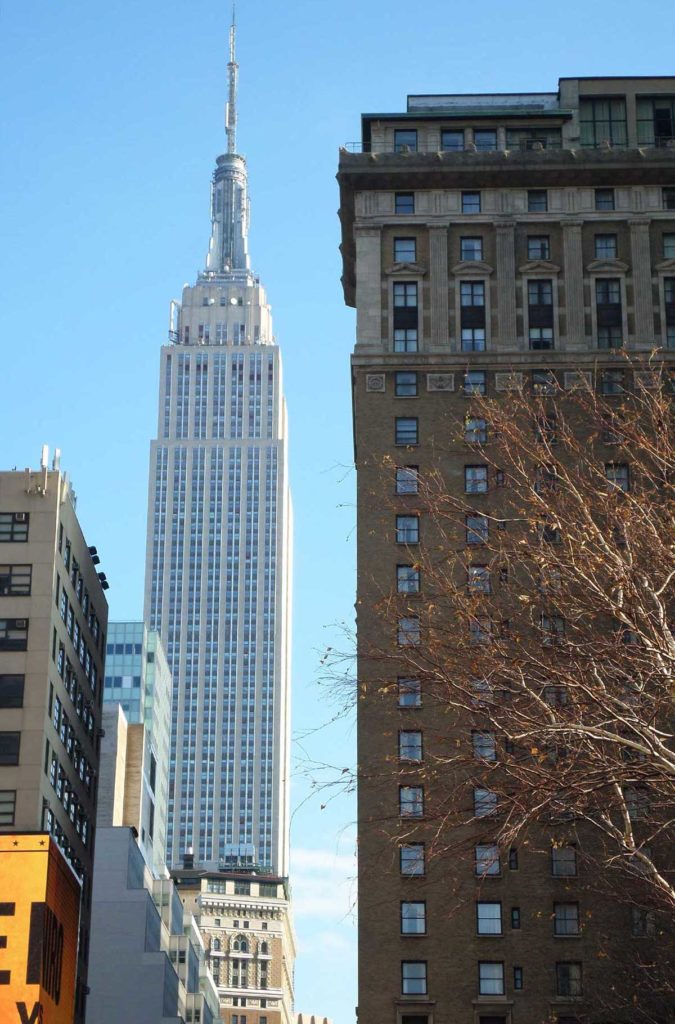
218, 550
53, 620
488, 242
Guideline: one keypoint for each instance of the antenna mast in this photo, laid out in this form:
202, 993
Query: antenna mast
231, 108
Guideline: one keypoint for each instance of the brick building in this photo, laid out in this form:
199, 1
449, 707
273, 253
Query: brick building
488, 242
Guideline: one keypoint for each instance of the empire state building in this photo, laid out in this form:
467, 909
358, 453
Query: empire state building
218, 560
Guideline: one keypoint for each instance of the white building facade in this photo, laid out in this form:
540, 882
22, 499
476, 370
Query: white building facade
218, 557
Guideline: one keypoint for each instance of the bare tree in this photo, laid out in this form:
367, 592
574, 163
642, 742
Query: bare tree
534, 611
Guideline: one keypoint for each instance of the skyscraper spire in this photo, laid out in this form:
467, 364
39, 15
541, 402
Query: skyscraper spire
231, 107
228, 246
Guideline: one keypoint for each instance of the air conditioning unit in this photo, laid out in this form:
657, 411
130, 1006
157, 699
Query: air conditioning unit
20, 517
21, 623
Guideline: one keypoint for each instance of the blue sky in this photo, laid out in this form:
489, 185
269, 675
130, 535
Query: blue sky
111, 118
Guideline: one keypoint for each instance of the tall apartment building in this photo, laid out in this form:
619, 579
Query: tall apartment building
219, 546
245, 921
52, 646
488, 242
137, 722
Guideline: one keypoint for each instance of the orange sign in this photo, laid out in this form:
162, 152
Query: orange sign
39, 926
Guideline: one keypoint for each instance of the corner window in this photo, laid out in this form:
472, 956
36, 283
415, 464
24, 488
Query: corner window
537, 200
471, 202
604, 198
404, 202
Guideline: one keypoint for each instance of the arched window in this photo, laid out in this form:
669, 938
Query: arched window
263, 947
216, 944
240, 944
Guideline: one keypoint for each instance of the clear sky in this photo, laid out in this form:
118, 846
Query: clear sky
112, 117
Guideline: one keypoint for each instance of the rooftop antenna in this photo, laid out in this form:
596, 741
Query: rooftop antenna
231, 106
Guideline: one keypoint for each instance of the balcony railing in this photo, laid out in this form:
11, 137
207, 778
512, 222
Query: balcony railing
524, 146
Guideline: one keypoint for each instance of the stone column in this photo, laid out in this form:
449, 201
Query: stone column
506, 285
574, 285
642, 281
368, 289
438, 288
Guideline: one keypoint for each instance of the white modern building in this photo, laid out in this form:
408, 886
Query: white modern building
219, 548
